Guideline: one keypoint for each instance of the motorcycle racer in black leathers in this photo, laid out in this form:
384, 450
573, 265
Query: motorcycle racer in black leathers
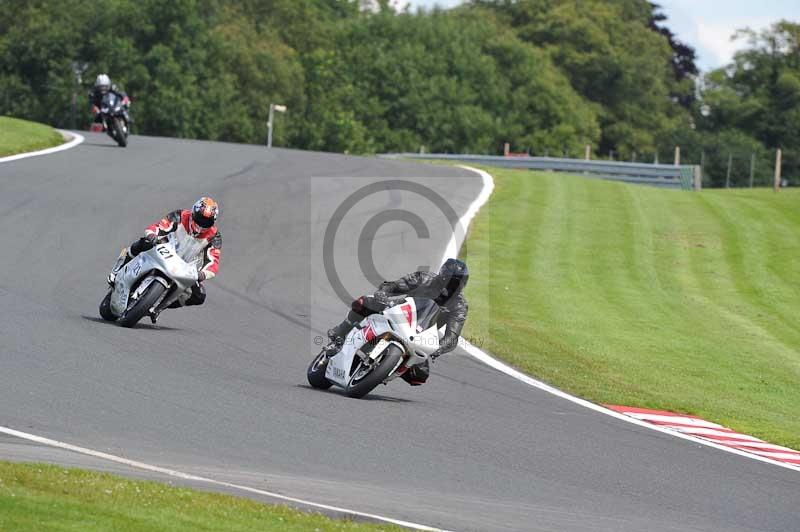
445, 288
102, 86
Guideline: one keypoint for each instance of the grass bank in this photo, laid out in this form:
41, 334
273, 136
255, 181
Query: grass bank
632, 295
19, 136
50, 498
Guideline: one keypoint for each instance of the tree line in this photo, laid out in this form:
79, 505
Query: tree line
547, 76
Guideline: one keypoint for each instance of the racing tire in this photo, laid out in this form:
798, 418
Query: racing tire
388, 363
316, 372
119, 134
105, 308
140, 309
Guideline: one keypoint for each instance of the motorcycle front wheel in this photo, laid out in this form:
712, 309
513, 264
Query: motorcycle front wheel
142, 305
119, 134
105, 308
365, 379
316, 372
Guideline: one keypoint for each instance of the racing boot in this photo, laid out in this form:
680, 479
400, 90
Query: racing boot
122, 260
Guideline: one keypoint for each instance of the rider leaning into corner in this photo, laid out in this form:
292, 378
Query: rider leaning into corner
445, 288
195, 235
102, 86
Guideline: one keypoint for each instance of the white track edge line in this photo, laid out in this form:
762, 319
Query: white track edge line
478, 354
77, 138
196, 478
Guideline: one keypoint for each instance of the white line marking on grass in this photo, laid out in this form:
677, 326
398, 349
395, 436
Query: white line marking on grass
76, 139
187, 476
452, 249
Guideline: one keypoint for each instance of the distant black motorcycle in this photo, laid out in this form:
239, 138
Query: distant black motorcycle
115, 118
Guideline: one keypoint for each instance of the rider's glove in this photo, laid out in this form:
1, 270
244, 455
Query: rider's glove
436, 354
382, 298
201, 276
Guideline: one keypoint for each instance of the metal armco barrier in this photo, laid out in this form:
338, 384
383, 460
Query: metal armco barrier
660, 175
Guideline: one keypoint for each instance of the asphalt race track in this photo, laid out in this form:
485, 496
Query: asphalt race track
220, 391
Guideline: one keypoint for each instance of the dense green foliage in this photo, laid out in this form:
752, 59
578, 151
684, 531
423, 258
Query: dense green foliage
644, 297
547, 76
756, 100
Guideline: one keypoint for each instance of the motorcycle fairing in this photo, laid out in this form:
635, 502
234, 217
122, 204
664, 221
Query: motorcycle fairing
396, 325
339, 366
161, 258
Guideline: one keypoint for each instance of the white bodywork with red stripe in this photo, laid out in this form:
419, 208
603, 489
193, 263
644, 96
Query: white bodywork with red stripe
396, 325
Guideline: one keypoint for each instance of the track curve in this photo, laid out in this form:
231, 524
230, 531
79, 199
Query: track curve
220, 390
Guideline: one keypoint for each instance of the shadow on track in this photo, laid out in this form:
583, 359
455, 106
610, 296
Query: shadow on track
368, 397
147, 326
100, 145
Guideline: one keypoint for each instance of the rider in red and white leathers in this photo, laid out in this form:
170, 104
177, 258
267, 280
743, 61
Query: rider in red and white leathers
196, 238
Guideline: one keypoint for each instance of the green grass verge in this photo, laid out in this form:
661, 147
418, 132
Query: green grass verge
19, 136
632, 295
50, 498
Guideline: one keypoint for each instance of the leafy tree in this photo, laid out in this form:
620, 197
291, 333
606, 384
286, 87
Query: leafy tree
759, 93
615, 55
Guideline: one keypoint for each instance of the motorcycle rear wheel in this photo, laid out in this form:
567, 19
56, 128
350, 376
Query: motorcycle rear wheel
388, 362
141, 307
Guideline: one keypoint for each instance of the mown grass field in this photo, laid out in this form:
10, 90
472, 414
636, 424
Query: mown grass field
18, 136
36, 497
632, 295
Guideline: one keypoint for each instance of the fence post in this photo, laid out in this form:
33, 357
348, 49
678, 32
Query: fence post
588, 153
777, 183
698, 177
752, 168
506, 149
677, 155
728, 175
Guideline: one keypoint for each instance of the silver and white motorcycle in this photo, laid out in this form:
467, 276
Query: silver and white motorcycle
380, 348
148, 284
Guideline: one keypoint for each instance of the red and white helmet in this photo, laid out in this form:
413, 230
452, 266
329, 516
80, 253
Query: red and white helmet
204, 215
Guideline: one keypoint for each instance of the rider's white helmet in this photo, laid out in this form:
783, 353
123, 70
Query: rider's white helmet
103, 83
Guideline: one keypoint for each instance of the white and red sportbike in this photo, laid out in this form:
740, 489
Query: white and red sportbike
148, 284
380, 348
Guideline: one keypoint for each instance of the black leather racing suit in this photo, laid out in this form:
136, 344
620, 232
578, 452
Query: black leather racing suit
453, 310
96, 100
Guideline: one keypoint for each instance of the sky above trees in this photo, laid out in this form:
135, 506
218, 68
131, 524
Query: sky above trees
707, 25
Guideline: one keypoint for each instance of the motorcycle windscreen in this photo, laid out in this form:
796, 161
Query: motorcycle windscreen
427, 313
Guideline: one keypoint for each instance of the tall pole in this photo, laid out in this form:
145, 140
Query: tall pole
677, 155
728, 175
752, 168
269, 124
777, 183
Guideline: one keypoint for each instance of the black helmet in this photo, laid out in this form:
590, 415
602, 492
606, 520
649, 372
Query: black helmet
454, 275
